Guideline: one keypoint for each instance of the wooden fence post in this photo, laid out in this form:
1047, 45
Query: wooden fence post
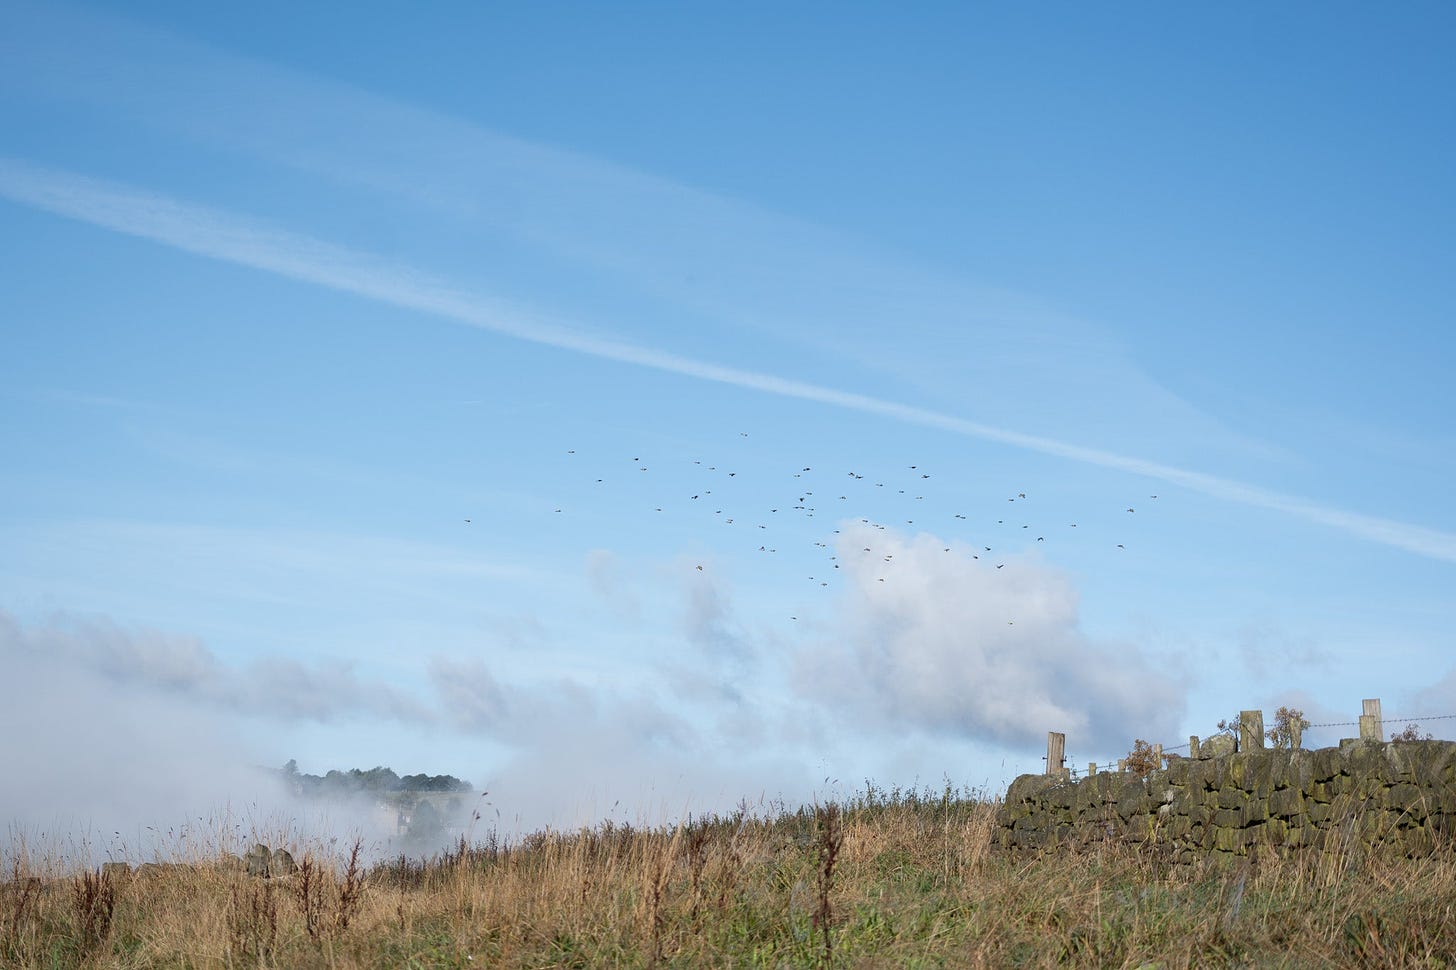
1158, 755
1251, 730
1192, 745
1091, 769
1372, 728
1056, 753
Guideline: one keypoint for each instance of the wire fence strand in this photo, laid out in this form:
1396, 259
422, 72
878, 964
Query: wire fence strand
1404, 719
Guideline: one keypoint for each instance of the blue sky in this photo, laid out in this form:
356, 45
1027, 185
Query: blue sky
614, 406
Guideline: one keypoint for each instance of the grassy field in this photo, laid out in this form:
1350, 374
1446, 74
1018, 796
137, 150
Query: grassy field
881, 880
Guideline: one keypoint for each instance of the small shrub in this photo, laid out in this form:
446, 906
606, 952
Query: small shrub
93, 900
350, 891
1289, 725
1412, 732
1142, 760
308, 892
830, 840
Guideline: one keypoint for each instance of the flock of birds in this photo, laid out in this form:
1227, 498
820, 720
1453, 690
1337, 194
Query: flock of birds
720, 493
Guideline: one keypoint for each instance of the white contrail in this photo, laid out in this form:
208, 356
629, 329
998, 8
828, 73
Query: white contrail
234, 239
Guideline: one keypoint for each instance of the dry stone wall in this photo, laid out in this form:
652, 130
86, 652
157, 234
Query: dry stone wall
1399, 796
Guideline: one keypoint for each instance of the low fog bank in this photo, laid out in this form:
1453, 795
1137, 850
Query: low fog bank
139, 745
100, 766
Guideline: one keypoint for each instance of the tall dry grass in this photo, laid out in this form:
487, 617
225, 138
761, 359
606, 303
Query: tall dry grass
897, 879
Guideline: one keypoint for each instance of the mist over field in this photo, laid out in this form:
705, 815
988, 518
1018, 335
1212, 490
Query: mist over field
142, 759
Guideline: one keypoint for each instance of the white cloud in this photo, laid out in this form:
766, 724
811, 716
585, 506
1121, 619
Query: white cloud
987, 649
148, 662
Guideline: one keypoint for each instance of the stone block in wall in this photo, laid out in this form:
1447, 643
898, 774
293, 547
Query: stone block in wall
1159, 791
1291, 769
1232, 798
1218, 746
1321, 792
1026, 787
1200, 775
1228, 839
1284, 835
1370, 788
1178, 772
1327, 763
1368, 761
1216, 773
1442, 801
1252, 771
1404, 796
1229, 818
1256, 810
1286, 802
1132, 800
1279, 830
1092, 792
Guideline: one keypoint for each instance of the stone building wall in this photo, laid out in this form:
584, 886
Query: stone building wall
1400, 795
